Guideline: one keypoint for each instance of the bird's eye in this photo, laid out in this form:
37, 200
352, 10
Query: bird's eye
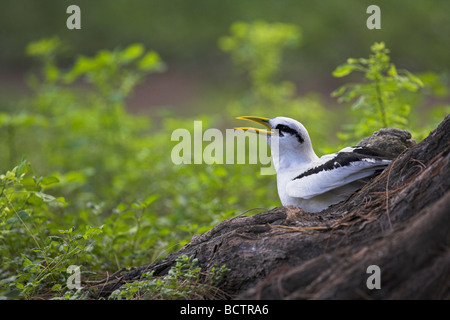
285, 129
280, 129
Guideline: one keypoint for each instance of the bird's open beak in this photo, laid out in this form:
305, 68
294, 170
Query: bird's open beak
260, 120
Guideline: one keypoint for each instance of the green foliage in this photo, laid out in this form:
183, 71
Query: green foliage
183, 281
115, 73
258, 47
130, 231
35, 253
377, 101
380, 100
114, 169
180, 30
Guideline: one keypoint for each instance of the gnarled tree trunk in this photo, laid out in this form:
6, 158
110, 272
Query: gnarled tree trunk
399, 222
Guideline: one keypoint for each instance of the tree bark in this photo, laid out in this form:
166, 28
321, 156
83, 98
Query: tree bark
399, 222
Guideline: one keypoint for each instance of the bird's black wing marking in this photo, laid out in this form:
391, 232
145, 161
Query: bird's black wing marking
343, 159
336, 171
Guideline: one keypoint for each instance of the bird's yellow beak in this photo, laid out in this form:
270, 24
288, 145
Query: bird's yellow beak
260, 120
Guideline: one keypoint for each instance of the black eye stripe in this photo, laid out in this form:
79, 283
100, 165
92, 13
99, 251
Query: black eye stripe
286, 129
283, 128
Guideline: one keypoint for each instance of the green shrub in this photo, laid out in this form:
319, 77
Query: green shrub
185, 280
114, 171
35, 252
382, 99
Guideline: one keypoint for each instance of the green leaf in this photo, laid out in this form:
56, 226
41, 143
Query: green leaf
414, 78
20, 286
44, 47
22, 169
392, 71
56, 238
57, 287
66, 231
92, 231
132, 52
151, 61
339, 91
27, 262
121, 207
49, 180
377, 46
45, 197
151, 199
11, 175
409, 86
343, 70
137, 205
35, 200
52, 73
20, 216
359, 103
61, 200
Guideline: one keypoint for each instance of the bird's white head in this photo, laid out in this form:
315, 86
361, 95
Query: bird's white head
294, 143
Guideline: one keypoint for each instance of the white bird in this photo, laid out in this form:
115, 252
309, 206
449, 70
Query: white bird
307, 181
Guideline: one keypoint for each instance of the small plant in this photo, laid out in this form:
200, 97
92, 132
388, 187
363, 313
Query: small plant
378, 100
35, 253
129, 231
258, 47
183, 281
115, 73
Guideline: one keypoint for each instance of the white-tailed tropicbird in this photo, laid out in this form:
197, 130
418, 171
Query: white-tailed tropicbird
307, 181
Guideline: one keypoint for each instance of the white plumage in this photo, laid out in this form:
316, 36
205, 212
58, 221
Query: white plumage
307, 181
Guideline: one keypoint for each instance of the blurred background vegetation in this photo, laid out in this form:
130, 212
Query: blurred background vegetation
185, 34
86, 115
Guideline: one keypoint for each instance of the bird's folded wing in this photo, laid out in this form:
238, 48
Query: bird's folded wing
334, 171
